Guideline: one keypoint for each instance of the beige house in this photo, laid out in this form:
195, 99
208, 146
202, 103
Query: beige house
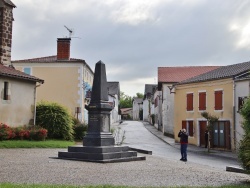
214, 93
137, 107
17, 89
66, 79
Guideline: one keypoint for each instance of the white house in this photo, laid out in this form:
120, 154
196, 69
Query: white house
147, 102
114, 100
242, 91
137, 107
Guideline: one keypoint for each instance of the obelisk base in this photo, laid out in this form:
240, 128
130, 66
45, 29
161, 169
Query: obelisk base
102, 154
98, 139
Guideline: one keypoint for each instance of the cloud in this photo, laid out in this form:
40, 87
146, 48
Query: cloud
134, 37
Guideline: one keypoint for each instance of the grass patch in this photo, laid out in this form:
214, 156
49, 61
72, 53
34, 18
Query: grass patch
11, 185
35, 144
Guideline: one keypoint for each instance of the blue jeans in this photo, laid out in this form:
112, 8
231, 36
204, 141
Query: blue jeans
184, 151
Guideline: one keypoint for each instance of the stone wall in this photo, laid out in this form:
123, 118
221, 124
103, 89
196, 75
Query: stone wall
6, 19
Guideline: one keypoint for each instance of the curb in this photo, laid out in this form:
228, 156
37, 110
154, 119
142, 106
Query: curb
141, 151
235, 169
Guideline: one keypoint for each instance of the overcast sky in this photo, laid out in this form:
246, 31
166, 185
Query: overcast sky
134, 37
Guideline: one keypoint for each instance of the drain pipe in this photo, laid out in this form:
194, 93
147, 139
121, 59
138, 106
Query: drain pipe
234, 115
35, 101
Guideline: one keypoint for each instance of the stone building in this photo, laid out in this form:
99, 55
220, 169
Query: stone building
6, 19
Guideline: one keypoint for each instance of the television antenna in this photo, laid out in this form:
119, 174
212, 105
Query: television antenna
69, 30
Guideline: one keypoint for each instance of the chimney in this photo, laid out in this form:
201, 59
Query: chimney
6, 19
63, 48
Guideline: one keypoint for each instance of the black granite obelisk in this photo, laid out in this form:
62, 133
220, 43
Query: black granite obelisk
98, 144
98, 133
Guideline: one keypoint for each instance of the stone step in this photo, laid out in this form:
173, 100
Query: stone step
126, 159
97, 156
101, 149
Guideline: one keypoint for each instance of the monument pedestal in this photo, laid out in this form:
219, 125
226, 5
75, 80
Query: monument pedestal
98, 144
102, 154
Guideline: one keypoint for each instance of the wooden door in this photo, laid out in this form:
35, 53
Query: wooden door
203, 127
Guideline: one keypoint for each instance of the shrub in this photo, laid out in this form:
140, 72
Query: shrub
80, 131
38, 134
31, 133
56, 119
6, 132
22, 133
244, 147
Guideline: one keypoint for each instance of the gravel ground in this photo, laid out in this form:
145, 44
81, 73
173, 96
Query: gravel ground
36, 166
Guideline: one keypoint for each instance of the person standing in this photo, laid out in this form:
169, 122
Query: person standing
206, 138
184, 142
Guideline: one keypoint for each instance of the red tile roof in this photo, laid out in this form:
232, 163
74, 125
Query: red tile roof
126, 110
13, 73
178, 74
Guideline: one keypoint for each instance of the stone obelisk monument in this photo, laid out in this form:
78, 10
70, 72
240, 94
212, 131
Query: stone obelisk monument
98, 144
99, 111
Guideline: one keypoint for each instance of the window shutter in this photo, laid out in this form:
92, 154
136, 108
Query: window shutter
202, 101
190, 102
190, 128
218, 100
184, 125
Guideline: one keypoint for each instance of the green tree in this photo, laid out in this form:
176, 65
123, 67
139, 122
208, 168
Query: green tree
211, 120
125, 101
139, 95
244, 147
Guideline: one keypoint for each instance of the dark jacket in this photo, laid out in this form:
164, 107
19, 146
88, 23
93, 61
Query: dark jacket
184, 137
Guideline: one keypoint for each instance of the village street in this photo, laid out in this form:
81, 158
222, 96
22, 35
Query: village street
138, 136
163, 168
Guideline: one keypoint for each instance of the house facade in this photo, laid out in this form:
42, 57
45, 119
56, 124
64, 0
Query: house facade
148, 93
67, 80
242, 92
212, 92
137, 107
114, 100
157, 100
167, 77
18, 97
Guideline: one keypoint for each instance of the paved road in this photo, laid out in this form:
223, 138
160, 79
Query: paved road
139, 137
163, 168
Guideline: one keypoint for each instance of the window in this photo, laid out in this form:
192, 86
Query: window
189, 126
6, 91
156, 101
202, 101
218, 100
241, 102
27, 70
190, 102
